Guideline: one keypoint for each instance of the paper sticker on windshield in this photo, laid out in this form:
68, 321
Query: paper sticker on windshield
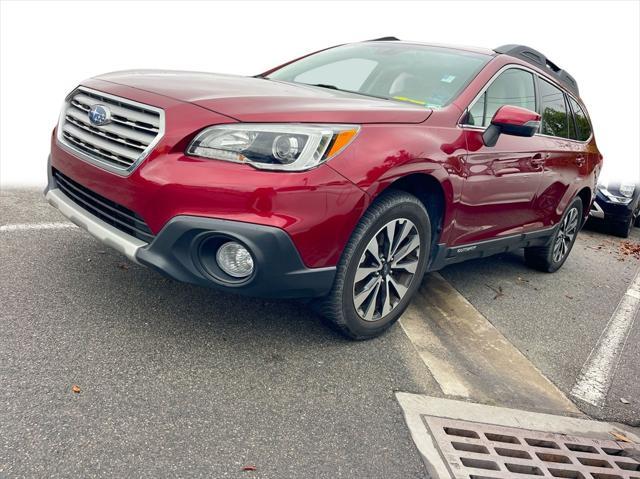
448, 79
410, 100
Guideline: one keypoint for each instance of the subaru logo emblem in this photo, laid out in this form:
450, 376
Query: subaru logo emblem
99, 115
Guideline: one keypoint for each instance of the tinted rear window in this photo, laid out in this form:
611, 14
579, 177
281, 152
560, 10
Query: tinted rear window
582, 122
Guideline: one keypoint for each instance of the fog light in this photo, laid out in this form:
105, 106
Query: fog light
235, 260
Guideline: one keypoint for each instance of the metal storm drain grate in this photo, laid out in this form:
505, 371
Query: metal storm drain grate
482, 451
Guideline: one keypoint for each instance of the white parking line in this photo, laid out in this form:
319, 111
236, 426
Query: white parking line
595, 377
35, 226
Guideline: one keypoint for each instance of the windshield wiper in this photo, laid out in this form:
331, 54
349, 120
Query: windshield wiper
333, 87
328, 86
323, 85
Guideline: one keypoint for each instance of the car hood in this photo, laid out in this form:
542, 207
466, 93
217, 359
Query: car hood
256, 99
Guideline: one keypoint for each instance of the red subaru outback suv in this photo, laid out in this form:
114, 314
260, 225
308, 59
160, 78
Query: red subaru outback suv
342, 176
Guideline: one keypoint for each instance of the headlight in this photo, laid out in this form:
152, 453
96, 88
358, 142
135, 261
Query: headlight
615, 198
627, 189
288, 147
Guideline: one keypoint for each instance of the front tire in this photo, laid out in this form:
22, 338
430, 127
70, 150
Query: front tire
381, 267
551, 257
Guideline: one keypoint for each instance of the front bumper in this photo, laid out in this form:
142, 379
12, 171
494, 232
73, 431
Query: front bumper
107, 234
179, 251
315, 211
612, 212
317, 208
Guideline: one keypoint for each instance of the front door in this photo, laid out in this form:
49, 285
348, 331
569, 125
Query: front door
500, 182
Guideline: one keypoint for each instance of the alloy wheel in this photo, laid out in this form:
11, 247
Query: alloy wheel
566, 235
386, 269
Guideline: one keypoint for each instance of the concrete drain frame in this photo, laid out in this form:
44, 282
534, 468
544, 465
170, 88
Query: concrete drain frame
476, 450
462, 440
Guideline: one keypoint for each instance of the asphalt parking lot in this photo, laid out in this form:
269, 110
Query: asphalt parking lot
178, 380
556, 319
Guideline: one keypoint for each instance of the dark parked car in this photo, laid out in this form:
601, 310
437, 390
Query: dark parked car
618, 205
343, 176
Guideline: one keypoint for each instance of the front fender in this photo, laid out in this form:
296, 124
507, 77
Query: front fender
384, 154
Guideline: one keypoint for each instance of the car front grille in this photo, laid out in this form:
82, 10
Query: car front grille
119, 145
108, 211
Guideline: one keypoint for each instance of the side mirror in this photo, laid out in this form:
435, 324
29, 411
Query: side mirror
511, 120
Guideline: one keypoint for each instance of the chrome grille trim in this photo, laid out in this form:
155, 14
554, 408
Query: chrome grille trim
119, 146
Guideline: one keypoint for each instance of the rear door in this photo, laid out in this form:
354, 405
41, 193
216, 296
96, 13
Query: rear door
564, 156
500, 182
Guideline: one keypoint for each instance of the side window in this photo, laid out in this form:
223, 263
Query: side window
554, 111
512, 87
352, 73
476, 112
582, 123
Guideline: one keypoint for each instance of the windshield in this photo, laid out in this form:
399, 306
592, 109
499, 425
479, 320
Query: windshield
419, 74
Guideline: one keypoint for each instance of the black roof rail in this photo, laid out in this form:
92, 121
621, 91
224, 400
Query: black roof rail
536, 58
384, 39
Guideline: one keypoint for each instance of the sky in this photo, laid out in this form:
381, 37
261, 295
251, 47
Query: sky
44, 56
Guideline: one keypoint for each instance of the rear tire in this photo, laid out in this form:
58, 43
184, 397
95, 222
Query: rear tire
551, 257
381, 267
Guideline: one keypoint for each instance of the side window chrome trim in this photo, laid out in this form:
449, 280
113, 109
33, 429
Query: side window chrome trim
539, 76
510, 66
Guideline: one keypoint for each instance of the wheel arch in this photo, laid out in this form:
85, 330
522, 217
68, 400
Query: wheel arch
431, 194
585, 195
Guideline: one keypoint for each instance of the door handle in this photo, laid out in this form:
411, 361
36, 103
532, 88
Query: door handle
580, 160
537, 160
